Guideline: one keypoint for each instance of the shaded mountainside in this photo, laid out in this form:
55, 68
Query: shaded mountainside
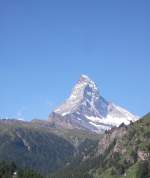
38, 146
121, 152
10, 170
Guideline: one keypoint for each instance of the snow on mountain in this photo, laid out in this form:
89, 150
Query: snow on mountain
87, 109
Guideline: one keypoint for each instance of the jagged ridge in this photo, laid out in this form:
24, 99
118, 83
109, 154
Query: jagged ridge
87, 109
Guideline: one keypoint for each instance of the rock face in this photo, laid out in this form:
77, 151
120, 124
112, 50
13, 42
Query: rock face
113, 135
87, 109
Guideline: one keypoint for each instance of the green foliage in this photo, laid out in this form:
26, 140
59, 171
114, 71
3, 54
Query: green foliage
28, 173
39, 149
80, 170
133, 154
115, 164
7, 169
53, 152
143, 169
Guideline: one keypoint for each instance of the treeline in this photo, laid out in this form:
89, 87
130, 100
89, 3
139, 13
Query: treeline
10, 170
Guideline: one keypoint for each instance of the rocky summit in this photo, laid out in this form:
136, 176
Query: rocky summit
86, 109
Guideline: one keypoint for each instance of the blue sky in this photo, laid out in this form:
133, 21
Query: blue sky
46, 45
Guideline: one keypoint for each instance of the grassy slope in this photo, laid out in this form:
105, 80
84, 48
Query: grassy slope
40, 147
112, 164
136, 139
34, 148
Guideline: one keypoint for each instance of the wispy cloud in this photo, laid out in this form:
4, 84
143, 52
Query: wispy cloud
20, 113
50, 104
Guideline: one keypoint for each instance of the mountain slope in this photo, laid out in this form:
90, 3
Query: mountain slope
75, 153
33, 147
122, 152
87, 109
127, 151
39, 146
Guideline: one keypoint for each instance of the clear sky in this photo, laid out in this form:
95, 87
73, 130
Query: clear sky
45, 45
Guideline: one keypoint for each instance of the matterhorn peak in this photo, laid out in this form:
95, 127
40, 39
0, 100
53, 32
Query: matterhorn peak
84, 88
84, 96
86, 108
85, 78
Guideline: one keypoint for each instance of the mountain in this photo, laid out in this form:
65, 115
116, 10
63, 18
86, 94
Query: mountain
55, 152
121, 152
79, 140
87, 109
38, 146
32, 146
